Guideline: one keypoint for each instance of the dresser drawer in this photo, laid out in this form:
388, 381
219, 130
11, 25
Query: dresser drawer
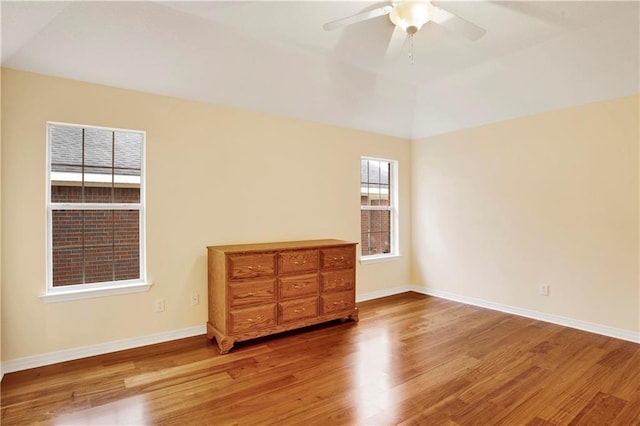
338, 257
334, 302
297, 309
252, 292
249, 319
251, 265
297, 261
297, 286
339, 280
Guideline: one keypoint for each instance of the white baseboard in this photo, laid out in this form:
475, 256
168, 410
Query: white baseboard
604, 330
135, 342
98, 349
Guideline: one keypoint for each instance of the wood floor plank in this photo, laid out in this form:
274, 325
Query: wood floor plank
411, 360
602, 409
630, 414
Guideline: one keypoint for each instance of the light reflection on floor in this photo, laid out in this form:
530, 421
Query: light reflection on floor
130, 411
372, 377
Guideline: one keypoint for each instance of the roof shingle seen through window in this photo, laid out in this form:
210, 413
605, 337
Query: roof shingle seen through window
67, 150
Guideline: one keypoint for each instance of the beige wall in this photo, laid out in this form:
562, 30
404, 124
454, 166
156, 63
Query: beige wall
215, 175
1, 203
498, 210
551, 198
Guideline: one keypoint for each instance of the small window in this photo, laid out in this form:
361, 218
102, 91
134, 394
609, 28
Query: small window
378, 208
95, 207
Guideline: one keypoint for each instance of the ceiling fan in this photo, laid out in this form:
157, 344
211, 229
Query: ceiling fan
409, 16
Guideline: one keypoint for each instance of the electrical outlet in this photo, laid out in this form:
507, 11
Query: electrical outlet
544, 289
195, 299
159, 305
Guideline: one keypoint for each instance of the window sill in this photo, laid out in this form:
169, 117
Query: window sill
74, 294
379, 258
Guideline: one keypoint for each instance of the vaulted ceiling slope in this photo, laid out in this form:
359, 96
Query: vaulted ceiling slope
275, 57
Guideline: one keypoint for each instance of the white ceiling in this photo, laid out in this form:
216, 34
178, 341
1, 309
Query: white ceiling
275, 57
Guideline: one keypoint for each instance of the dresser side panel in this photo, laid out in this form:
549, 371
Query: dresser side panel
218, 290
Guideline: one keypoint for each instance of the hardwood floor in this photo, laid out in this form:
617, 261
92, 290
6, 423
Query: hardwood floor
412, 359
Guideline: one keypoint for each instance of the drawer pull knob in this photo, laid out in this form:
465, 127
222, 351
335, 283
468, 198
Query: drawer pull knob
249, 294
338, 258
342, 302
297, 311
257, 319
298, 286
299, 263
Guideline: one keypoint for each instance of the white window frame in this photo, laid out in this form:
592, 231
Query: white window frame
393, 208
85, 291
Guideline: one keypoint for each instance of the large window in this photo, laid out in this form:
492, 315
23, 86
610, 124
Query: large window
378, 208
95, 208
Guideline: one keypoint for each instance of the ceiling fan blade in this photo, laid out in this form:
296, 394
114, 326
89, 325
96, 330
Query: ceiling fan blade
357, 18
396, 43
457, 24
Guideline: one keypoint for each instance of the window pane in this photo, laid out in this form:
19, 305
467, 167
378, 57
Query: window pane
374, 194
127, 227
111, 170
376, 221
98, 194
98, 149
375, 231
375, 183
385, 221
92, 245
126, 195
365, 221
384, 172
383, 195
67, 247
127, 262
127, 233
66, 148
98, 228
98, 165
374, 171
128, 153
66, 164
365, 244
379, 243
67, 266
385, 242
98, 264
67, 229
128, 165
66, 193
364, 197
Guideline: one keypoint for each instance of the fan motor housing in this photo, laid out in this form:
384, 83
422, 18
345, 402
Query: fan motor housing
411, 15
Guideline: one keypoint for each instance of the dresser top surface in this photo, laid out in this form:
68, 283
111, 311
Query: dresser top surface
279, 245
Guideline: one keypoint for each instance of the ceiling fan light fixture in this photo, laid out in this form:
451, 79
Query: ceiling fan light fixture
411, 15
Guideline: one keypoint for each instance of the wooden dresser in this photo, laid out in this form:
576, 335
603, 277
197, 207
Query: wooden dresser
261, 289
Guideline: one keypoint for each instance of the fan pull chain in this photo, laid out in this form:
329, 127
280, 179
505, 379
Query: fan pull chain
411, 49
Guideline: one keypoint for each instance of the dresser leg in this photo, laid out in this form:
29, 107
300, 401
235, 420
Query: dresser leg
354, 315
224, 344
